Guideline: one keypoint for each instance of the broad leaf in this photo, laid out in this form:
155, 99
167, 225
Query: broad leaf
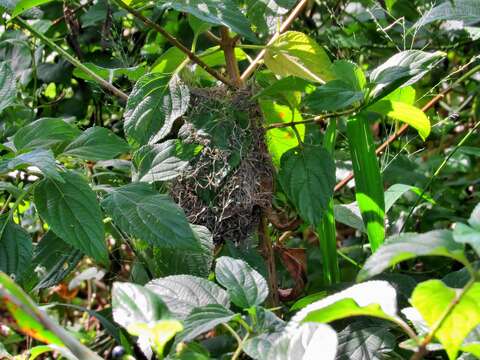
41, 158
349, 214
144, 213
350, 73
183, 293
110, 74
407, 246
306, 343
266, 14
15, 249
334, 95
245, 285
466, 11
44, 133
225, 12
368, 179
469, 234
96, 143
307, 176
8, 86
408, 114
72, 212
203, 319
162, 162
294, 53
463, 317
371, 298
155, 102
24, 5
157, 333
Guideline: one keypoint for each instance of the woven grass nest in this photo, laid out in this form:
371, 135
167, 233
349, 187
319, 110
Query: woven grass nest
228, 183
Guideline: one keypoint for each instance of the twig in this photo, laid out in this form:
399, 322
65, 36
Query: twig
115, 91
61, 18
286, 24
228, 46
316, 119
172, 40
405, 127
268, 255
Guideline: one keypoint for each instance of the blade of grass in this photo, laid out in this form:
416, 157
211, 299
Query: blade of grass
326, 229
368, 180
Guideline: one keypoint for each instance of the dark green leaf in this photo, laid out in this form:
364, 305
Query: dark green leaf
307, 176
8, 86
349, 73
41, 158
409, 246
72, 212
245, 285
334, 95
96, 143
144, 213
183, 293
109, 74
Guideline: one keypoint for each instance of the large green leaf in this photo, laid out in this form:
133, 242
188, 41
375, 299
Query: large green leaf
96, 143
41, 158
350, 73
155, 102
409, 246
183, 293
8, 86
45, 132
307, 175
368, 180
24, 5
469, 234
144, 213
72, 212
306, 342
294, 53
432, 298
466, 11
334, 95
371, 298
406, 113
264, 14
110, 74
218, 12
245, 285
15, 249
203, 319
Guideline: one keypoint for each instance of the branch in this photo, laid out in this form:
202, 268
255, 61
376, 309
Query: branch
316, 119
228, 46
405, 127
286, 24
172, 40
75, 62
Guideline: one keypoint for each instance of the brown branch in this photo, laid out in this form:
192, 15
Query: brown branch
61, 18
172, 40
268, 255
228, 46
285, 25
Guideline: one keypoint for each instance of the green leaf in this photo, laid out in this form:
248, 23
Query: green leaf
96, 143
245, 285
203, 319
225, 12
24, 5
15, 250
368, 180
183, 293
408, 114
264, 13
307, 176
371, 298
41, 158
349, 214
155, 102
110, 74
334, 95
307, 342
466, 11
474, 220
157, 333
407, 246
55, 258
365, 340
169, 61
8, 86
432, 298
402, 69
294, 53
44, 133
350, 73
72, 212
288, 90
162, 162
144, 213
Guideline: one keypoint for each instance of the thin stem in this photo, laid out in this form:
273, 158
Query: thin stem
172, 40
7, 201
15, 206
250, 46
71, 59
239, 350
316, 119
286, 24
233, 332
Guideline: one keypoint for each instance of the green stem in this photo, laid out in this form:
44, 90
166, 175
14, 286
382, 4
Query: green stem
71, 59
249, 46
14, 207
239, 350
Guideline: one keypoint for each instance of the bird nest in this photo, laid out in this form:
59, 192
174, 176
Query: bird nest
230, 180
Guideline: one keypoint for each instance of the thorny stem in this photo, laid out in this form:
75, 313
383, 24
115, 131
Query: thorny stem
71, 59
404, 127
422, 349
286, 24
172, 40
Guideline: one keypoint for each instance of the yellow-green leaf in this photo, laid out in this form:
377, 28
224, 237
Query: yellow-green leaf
294, 53
406, 113
158, 333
